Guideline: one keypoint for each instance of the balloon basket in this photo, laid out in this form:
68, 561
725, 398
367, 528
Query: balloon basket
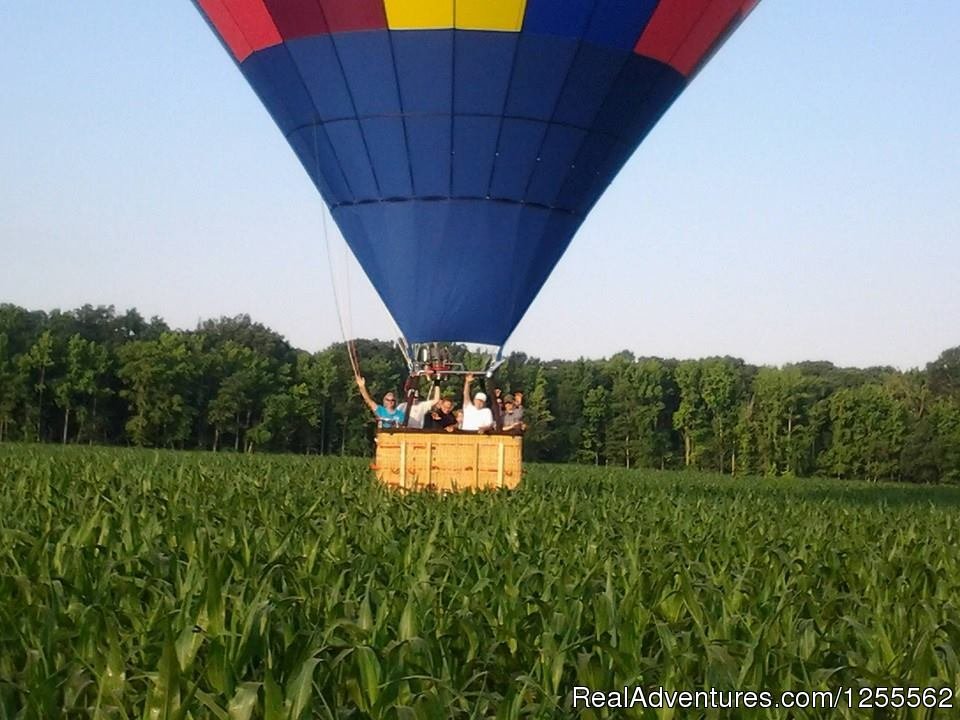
411, 460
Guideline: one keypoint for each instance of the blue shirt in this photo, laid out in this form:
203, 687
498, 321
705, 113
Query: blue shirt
389, 418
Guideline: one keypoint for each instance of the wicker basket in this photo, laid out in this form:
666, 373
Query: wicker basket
422, 460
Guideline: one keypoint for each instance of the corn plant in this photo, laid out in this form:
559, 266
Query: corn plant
137, 584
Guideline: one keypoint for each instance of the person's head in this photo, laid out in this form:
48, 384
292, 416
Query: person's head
446, 406
480, 400
508, 403
390, 401
518, 397
459, 416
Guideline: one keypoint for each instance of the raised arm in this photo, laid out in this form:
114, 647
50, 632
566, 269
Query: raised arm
466, 390
362, 385
434, 398
431, 402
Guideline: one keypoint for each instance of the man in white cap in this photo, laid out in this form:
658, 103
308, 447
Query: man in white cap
477, 417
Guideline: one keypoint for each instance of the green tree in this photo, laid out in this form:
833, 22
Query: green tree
596, 411
692, 417
285, 415
230, 399
242, 331
539, 419
570, 383
639, 432
721, 388
155, 374
867, 430
912, 390
944, 374
35, 364
22, 327
519, 372
779, 423
317, 374
931, 451
86, 364
946, 416
12, 386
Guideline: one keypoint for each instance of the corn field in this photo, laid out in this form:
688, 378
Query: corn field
137, 584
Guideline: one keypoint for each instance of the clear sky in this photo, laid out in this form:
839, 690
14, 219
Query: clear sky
801, 201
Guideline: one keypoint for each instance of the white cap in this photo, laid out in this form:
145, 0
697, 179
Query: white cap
480, 396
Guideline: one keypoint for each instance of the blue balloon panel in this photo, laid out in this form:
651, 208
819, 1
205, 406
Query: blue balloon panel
459, 164
454, 268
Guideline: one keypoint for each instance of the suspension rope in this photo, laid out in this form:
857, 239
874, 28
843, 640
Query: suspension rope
348, 297
344, 327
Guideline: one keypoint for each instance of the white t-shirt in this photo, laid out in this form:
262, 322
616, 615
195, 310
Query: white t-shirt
418, 412
474, 419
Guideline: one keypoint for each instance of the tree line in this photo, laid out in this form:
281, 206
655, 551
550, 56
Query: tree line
94, 375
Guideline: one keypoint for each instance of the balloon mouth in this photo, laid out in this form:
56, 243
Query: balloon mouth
439, 359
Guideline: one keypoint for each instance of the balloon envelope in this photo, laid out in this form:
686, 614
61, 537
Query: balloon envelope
460, 144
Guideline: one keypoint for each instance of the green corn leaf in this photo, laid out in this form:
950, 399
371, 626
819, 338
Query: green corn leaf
273, 707
243, 703
299, 690
369, 668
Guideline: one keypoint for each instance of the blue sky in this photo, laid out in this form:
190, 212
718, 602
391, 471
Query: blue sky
801, 201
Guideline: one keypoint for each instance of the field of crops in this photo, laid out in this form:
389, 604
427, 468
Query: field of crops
160, 585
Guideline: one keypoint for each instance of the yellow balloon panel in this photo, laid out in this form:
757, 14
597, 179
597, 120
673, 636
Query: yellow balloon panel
504, 15
419, 14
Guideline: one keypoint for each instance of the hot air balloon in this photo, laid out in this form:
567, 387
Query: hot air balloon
448, 137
